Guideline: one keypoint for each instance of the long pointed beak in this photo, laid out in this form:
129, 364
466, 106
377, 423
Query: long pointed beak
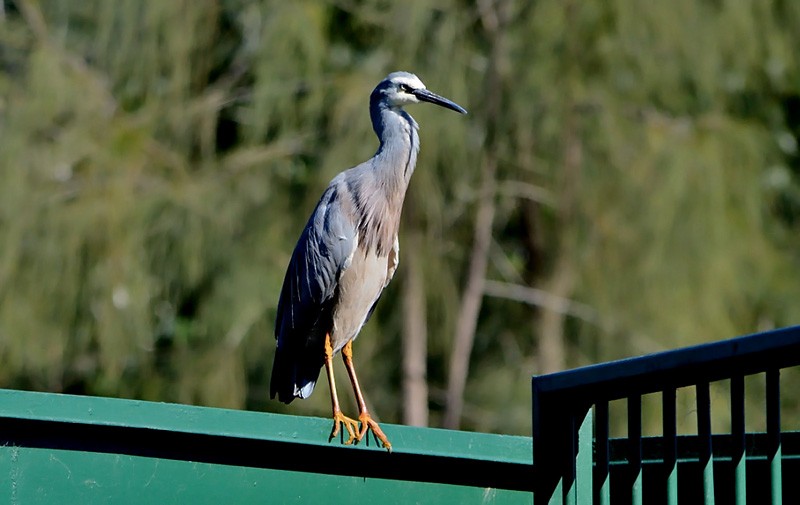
428, 96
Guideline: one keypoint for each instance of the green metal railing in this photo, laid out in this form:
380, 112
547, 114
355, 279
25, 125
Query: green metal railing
572, 466
69, 449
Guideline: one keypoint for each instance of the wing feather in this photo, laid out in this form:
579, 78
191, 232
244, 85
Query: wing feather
305, 307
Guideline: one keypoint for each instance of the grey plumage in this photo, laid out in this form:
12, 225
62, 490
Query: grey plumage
348, 251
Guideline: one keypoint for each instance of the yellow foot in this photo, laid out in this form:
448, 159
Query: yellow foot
351, 425
367, 423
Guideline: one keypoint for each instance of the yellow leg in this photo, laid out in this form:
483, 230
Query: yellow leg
351, 425
367, 423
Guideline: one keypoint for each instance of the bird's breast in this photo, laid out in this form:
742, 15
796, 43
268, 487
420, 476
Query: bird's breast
360, 286
379, 220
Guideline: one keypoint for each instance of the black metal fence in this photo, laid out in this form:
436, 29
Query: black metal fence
572, 465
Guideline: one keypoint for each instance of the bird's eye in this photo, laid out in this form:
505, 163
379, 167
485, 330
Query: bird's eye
405, 88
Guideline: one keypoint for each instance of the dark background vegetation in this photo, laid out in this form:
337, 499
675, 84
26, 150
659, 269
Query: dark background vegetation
627, 181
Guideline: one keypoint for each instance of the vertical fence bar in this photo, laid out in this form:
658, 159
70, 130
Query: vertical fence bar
635, 448
706, 452
670, 431
738, 456
602, 481
578, 473
774, 434
583, 461
569, 472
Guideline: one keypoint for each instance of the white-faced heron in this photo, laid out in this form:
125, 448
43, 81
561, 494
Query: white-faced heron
346, 256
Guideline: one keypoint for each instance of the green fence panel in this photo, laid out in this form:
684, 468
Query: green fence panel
68, 449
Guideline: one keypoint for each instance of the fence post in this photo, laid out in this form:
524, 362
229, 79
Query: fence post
549, 444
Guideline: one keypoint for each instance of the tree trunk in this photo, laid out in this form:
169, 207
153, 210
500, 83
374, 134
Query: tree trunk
415, 339
471, 301
552, 354
494, 17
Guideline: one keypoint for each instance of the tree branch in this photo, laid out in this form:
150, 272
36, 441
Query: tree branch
541, 298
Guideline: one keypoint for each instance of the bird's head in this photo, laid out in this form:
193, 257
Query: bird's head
402, 88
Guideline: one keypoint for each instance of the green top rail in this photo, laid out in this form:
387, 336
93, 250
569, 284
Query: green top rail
62, 428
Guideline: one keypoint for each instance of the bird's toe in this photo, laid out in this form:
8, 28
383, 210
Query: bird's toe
350, 425
369, 424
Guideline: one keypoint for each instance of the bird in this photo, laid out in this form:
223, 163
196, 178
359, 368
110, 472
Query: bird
345, 257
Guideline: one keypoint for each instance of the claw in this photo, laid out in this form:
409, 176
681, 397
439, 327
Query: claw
367, 423
351, 425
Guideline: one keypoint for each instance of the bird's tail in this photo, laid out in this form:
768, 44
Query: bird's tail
292, 376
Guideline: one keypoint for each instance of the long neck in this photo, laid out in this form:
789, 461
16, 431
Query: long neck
381, 200
397, 154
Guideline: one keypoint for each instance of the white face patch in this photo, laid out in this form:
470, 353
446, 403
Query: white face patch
412, 82
403, 83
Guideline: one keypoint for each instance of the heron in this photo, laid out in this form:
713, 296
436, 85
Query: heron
345, 257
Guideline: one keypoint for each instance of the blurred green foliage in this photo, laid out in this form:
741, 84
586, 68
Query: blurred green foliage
159, 159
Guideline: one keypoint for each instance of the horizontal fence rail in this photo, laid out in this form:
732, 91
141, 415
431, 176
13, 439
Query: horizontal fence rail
562, 413
70, 449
